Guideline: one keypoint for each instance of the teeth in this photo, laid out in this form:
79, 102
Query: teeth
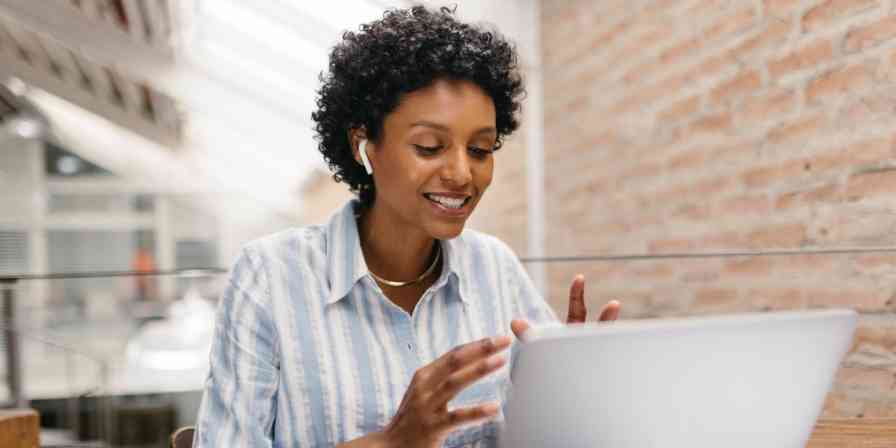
447, 202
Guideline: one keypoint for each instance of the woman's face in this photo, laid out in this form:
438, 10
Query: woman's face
434, 159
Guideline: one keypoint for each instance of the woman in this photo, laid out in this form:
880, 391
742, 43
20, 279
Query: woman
388, 326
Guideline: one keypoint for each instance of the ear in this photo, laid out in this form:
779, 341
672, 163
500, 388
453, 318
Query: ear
359, 151
355, 136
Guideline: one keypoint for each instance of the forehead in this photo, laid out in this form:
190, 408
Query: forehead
453, 103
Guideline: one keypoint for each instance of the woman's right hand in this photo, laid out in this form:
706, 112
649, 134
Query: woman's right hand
423, 418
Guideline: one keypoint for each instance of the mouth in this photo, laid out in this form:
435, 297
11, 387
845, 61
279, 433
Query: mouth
453, 205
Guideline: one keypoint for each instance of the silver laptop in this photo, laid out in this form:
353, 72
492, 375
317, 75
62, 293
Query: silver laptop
748, 380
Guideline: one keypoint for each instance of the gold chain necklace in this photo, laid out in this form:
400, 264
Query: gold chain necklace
425, 273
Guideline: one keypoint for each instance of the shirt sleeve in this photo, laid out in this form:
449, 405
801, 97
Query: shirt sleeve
240, 395
528, 304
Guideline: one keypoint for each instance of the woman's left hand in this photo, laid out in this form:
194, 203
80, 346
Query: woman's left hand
577, 311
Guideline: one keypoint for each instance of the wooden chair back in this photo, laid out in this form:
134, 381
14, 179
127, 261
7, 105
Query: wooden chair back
183, 437
19, 428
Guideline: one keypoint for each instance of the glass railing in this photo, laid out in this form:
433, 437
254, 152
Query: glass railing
121, 357
108, 357
662, 285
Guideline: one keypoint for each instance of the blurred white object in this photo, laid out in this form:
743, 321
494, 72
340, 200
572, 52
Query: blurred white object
26, 126
68, 165
750, 380
173, 353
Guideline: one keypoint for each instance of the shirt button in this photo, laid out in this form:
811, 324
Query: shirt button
409, 347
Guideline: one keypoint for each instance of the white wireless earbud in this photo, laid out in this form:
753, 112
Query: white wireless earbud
362, 148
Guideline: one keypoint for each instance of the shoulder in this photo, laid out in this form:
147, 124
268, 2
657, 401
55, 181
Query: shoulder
289, 246
477, 244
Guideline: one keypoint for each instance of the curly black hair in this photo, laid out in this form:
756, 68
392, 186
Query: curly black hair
406, 50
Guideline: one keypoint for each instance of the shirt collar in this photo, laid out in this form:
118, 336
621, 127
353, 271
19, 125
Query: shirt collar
345, 261
452, 251
346, 265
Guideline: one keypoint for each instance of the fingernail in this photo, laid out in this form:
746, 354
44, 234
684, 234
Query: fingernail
491, 408
501, 340
495, 361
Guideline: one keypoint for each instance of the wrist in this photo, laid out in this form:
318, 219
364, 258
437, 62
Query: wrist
382, 439
370, 440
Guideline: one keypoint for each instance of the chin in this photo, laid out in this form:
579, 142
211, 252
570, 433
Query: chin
442, 231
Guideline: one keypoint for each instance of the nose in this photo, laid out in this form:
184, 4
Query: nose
456, 171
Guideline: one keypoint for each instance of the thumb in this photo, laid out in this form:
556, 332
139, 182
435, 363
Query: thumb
519, 326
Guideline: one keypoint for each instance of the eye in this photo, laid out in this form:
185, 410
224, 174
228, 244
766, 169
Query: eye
480, 153
427, 150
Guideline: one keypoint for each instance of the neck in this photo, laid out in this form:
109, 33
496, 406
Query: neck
392, 250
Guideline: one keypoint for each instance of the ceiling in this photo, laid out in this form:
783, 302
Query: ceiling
182, 95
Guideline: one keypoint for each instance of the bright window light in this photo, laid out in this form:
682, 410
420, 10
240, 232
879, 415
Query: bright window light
266, 31
343, 15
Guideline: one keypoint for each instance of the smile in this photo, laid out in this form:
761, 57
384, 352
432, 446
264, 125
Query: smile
448, 202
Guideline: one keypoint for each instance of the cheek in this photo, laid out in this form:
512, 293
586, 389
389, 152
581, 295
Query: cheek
483, 176
406, 175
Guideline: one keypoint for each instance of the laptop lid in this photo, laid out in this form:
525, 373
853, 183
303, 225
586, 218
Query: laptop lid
748, 380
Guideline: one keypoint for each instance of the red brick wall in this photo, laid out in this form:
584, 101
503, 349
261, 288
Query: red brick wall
703, 125
503, 209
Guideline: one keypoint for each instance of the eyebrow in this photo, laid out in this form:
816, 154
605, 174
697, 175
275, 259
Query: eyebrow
441, 127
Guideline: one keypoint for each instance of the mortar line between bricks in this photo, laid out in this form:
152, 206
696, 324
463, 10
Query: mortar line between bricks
731, 254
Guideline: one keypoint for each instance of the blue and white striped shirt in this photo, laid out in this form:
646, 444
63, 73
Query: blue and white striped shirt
308, 352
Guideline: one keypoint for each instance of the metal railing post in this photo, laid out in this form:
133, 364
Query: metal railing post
13, 350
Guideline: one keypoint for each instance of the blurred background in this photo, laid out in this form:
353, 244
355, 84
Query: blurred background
688, 156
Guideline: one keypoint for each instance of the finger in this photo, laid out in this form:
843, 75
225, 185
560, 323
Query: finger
610, 311
463, 416
519, 326
460, 357
465, 377
577, 312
